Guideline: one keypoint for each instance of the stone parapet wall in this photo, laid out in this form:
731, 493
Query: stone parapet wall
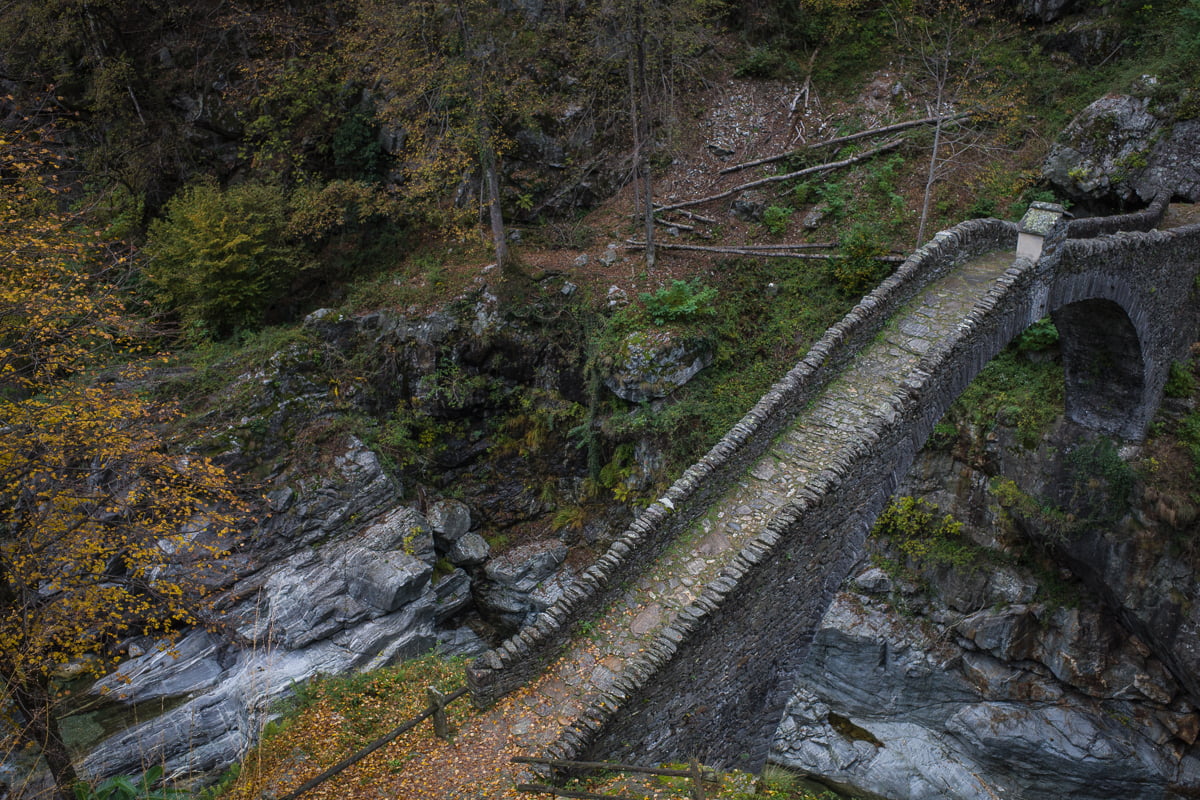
1144, 220
665, 706
718, 677
523, 657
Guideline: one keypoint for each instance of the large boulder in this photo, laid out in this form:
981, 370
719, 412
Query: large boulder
521, 583
1123, 149
652, 364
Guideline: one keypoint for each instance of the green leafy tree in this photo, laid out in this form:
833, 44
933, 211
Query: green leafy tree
219, 258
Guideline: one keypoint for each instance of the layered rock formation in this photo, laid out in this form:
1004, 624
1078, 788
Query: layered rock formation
996, 679
356, 593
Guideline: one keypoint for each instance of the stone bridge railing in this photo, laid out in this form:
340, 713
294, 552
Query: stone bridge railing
523, 657
713, 685
1144, 220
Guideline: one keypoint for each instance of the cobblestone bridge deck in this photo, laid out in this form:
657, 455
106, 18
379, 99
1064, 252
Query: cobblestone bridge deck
529, 721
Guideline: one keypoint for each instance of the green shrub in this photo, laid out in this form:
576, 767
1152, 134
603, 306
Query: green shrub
804, 193
1101, 481
355, 146
1180, 381
775, 218
914, 526
835, 197
982, 208
124, 787
944, 435
1188, 433
679, 301
761, 62
1189, 31
1038, 336
219, 258
857, 268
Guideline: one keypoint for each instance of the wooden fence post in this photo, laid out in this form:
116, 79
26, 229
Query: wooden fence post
437, 700
697, 780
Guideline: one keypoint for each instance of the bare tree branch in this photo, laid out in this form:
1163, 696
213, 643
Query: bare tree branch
777, 178
899, 126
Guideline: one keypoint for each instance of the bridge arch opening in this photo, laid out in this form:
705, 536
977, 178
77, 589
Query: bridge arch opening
1103, 367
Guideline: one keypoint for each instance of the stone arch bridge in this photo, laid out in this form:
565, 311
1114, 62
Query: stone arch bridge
684, 638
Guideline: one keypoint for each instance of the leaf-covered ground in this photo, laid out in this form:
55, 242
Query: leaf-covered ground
334, 717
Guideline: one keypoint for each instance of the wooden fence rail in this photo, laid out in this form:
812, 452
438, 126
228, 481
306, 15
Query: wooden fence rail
698, 775
441, 727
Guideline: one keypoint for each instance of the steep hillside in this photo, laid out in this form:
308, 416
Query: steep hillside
400, 255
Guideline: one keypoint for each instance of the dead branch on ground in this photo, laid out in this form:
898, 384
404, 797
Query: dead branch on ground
899, 126
749, 250
777, 178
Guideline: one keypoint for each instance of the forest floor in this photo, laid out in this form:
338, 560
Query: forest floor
735, 121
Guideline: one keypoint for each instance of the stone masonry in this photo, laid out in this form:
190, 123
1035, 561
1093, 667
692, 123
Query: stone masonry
696, 620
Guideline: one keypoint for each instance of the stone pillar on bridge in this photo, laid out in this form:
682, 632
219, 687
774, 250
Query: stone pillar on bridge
1041, 232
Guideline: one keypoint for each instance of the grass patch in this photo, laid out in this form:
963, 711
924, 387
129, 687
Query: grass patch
1012, 390
756, 343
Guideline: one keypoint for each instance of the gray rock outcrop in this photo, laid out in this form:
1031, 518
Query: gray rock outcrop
652, 364
1123, 149
909, 709
355, 593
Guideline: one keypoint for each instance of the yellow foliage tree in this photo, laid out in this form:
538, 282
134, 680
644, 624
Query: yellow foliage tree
105, 530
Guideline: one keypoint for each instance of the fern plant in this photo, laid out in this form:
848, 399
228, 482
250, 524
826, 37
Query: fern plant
125, 787
680, 300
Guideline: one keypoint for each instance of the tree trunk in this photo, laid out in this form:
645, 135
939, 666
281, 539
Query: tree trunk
639, 103
483, 130
932, 176
491, 179
33, 701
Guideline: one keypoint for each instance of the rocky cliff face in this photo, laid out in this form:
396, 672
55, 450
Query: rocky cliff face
1125, 149
348, 569
1023, 676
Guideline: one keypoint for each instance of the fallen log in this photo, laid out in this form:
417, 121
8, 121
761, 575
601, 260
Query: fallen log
748, 251
689, 215
797, 246
899, 126
669, 224
777, 178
